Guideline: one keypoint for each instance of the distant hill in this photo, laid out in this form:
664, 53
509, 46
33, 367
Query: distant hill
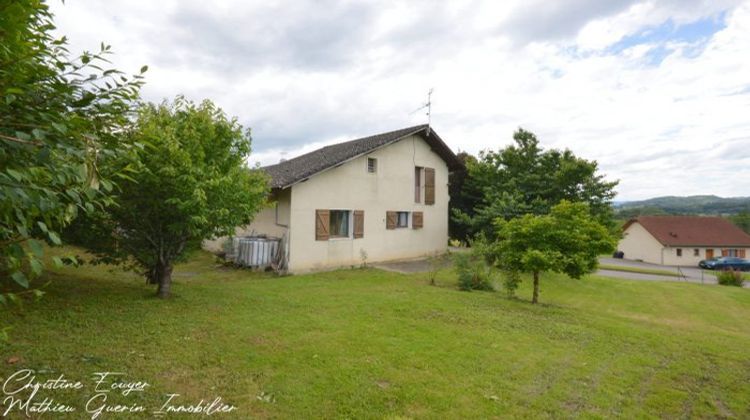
695, 204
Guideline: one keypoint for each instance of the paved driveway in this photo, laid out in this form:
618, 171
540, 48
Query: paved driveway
686, 274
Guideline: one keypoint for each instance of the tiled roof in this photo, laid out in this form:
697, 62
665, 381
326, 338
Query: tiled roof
291, 171
692, 230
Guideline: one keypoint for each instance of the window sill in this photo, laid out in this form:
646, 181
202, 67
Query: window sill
340, 238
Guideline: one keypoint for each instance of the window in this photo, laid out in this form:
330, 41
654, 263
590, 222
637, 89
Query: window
339, 224
696, 252
418, 184
372, 165
396, 219
402, 219
679, 252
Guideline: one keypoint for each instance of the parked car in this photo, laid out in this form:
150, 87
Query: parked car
725, 263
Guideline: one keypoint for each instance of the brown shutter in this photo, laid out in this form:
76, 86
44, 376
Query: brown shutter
359, 224
741, 254
724, 252
429, 186
322, 220
417, 220
390, 219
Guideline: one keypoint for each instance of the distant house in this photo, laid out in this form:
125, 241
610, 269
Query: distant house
682, 240
383, 197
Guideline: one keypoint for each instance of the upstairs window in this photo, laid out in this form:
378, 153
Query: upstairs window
679, 252
372, 165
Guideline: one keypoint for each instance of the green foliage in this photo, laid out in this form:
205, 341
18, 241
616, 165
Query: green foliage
567, 240
742, 220
511, 281
695, 204
463, 198
59, 118
730, 278
473, 273
632, 212
191, 184
525, 179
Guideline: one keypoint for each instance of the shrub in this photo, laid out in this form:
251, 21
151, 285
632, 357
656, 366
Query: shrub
511, 280
473, 272
730, 278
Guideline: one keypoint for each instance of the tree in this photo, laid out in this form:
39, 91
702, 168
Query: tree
463, 199
59, 119
191, 184
567, 240
742, 220
525, 179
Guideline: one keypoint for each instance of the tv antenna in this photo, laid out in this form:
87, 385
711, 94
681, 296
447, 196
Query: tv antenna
428, 106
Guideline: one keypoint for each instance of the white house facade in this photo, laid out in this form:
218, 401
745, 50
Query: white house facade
379, 198
682, 240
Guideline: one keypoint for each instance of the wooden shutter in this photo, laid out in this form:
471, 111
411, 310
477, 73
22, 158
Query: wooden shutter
429, 186
741, 253
322, 221
359, 224
724, 252
417, 220
391, 217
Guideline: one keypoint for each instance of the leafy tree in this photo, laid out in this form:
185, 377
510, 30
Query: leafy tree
567, 240
463, 198
742, 220
59, 118
191, 183
525, 179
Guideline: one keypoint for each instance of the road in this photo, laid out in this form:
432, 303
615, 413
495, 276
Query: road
688, 274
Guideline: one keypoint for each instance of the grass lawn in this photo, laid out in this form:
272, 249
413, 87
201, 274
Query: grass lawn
375, 344
628, 269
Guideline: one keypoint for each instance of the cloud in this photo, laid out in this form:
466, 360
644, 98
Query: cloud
656, 91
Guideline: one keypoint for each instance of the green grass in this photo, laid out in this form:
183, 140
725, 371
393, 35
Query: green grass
629, 269
375, 344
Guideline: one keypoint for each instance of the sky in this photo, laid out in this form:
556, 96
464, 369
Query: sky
657, 92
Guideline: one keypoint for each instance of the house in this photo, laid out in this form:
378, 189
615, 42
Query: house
378, 198
682, 240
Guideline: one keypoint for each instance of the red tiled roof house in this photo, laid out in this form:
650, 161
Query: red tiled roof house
682, 240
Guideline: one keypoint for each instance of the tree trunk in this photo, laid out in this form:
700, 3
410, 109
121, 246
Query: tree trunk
152, 276
535, 297
165, 280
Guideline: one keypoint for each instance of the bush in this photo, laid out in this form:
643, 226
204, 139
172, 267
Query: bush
511, 280
473, 272
730, 278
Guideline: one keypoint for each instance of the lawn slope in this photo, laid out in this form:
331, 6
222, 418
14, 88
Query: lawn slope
375, 344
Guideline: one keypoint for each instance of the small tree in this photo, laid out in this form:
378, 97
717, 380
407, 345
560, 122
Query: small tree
191, 184
567, 240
